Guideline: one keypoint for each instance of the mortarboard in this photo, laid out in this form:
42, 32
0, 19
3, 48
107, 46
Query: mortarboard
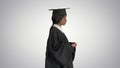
59, 11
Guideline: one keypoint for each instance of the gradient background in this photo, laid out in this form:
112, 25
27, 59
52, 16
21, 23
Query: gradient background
93, 24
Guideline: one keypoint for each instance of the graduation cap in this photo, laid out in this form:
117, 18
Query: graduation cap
59, 11
58, 14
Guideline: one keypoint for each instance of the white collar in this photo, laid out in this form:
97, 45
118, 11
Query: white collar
58, 27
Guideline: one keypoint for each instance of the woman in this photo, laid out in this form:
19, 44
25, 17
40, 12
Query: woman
60, 52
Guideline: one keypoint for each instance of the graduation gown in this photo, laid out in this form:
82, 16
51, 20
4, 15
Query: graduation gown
59, 52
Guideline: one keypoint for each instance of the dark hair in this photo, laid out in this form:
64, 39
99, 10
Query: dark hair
57, 18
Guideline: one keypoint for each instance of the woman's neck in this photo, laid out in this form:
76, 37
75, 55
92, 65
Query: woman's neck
59, 24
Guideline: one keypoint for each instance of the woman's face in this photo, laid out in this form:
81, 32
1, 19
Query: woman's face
63, 21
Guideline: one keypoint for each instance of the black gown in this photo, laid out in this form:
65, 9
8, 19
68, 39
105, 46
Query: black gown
59, 52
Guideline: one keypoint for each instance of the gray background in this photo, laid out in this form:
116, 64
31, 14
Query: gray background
93, 24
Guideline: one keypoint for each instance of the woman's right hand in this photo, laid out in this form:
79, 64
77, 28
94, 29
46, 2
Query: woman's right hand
74, 45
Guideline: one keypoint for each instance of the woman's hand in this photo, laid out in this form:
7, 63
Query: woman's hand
74, 44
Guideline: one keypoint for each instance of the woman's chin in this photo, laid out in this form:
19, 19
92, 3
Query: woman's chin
64, 24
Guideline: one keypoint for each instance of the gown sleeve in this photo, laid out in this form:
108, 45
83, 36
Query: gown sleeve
61, 51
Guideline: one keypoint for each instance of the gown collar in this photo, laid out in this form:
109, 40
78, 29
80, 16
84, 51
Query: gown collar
58, 27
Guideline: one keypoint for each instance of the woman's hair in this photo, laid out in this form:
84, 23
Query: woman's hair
57, 18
